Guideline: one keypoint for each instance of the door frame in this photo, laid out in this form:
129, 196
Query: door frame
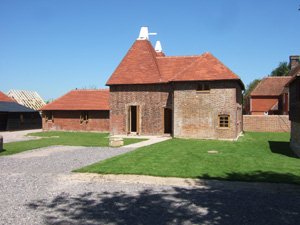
138, 119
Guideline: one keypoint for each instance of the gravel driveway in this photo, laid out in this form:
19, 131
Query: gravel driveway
37, 187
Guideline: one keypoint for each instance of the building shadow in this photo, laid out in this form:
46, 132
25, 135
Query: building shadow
171, 206
282, 148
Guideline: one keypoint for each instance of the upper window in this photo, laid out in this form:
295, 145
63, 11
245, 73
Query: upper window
224, 121
84, 117
203, 87
49, 116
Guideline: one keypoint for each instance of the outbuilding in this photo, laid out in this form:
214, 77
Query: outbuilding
14, 116
78, 110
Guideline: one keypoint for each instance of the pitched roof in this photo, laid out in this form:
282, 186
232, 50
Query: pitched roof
270, 86
81, 100
5, 98
30, 99
142, 65
14, 107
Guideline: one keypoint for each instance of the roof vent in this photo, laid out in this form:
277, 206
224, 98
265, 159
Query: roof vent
158, 47
144, 34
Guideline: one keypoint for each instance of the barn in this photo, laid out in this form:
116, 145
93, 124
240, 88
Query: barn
78, 110
14, 116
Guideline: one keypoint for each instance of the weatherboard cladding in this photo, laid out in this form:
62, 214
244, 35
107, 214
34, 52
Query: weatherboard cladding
13, 107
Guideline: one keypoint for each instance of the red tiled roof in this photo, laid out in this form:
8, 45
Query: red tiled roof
142, 65
5, 98
138, 66
81, 100
270, 86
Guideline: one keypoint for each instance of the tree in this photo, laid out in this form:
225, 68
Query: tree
282, 70
250, 87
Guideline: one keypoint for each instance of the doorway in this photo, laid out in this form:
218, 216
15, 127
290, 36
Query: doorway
167, 121
133, 119
3, 121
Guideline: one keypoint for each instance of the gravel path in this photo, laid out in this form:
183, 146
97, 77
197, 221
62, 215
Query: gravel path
37, 187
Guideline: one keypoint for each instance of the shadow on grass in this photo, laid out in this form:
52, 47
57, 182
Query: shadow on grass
171, 206
282, 148
258, 176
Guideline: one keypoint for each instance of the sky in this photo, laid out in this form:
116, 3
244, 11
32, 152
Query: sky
55, 46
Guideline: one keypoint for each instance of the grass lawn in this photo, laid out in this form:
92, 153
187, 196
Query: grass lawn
61, 138
262, 157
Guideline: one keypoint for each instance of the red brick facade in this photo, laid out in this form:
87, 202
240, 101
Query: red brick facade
151, 100
195, 114
269, 123
72, 121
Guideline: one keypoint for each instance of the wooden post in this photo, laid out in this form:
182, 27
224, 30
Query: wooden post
1, 143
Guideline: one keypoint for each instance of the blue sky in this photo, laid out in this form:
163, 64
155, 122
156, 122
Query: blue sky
57, 45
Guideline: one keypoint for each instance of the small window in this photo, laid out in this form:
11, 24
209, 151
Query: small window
203, 87
49, 116
84, 117
224, 121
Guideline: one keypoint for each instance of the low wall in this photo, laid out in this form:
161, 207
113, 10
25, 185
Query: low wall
269, 123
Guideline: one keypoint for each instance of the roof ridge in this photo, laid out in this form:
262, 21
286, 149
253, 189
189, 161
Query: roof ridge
184, 56
100, 89
185, 69
152, 52
278, 77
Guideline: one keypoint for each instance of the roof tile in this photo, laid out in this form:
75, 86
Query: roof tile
270, 86
81, 100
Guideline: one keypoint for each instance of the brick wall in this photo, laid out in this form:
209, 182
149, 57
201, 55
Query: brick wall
70, 120
295, 140
150, 98
270, 123
196, 114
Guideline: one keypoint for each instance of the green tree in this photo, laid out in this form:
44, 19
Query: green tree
282, 70
251, 86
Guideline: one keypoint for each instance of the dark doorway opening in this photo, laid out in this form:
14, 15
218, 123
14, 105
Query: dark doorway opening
3, 121
167, 121
133, 119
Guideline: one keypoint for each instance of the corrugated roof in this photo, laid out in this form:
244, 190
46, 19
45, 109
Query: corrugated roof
270, 86
81, 100
5, 98
142, 65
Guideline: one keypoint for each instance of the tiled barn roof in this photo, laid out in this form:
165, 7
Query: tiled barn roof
81, 100
270, 86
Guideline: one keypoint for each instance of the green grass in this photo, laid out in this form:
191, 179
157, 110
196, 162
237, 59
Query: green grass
262, 157
61, 138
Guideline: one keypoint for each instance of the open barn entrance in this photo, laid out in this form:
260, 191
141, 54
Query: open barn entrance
3, 121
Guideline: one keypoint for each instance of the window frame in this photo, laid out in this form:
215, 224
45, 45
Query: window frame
203, 87
49, 116
84, 117
224, 119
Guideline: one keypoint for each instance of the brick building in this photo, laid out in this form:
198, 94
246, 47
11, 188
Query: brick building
14, 116
186, 96
78, 110
270, 97
294, 114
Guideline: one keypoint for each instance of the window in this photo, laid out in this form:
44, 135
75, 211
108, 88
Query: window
224, 121
203, 87
49, 116
84, 117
